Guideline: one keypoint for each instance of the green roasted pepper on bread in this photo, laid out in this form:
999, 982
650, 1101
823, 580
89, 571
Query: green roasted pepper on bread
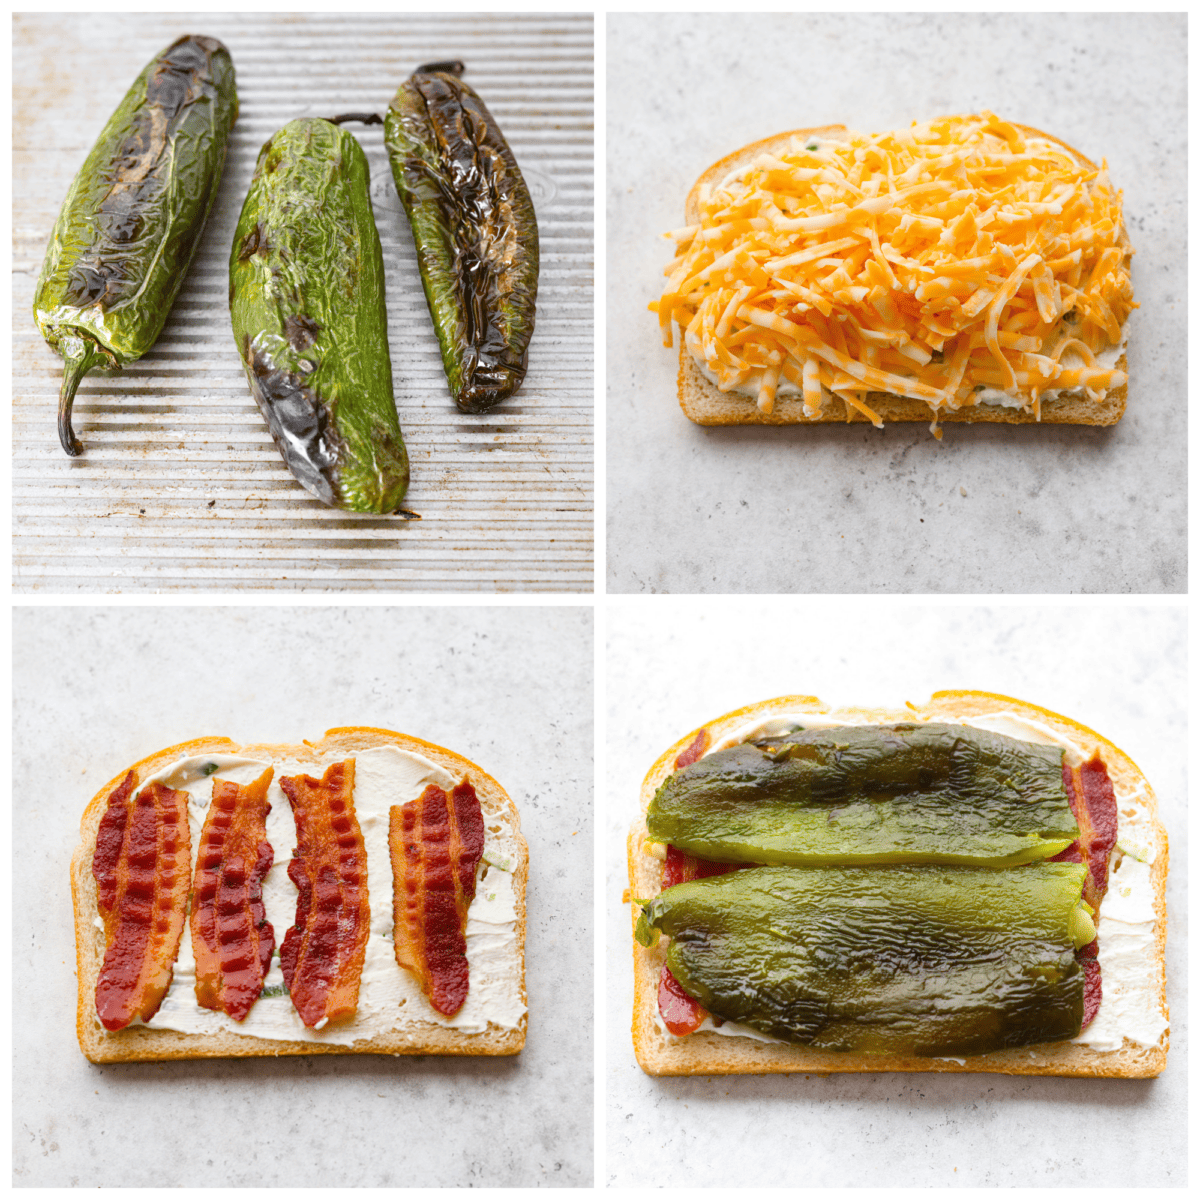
883, 960
893, 895
870, 794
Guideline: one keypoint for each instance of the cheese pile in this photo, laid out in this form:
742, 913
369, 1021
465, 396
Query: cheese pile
935, 262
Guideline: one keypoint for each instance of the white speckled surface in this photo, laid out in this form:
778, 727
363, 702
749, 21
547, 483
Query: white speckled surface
97, 689
851, 509
673, 664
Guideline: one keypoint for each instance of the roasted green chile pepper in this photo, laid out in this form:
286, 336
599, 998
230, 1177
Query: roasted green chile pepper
870, 794
306, 297
884, 960
131, 223
474, 228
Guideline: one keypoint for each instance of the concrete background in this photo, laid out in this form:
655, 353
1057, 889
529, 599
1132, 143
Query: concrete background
673, 665
97, 689
838, 508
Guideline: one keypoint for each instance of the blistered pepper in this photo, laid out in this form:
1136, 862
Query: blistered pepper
306, 298
131, 223
870, 794
883, 960
475, 231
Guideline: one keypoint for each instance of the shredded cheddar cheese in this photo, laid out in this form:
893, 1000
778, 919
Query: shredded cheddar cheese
933, 262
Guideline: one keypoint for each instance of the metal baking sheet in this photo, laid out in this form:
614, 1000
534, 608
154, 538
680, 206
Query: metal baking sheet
180, 488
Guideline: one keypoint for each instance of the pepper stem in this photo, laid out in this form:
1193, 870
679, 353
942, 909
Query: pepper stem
452, 66
82, 356
365, 118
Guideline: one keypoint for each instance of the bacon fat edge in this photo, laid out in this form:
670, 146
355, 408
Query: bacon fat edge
323, 952
436, 843
231, 937
142, 867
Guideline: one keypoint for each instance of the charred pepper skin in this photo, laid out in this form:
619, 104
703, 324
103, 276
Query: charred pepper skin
883, 960
132, 220
475, 231
306, 298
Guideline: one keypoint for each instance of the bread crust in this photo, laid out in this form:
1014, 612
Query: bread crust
140, 1044
708, 1053
705, 404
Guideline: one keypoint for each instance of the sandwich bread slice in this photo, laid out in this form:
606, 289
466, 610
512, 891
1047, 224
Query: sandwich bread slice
242, 900
1125, 1034
968, 269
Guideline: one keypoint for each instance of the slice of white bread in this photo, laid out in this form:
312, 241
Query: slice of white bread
710, 1053
704, 403
416, 1036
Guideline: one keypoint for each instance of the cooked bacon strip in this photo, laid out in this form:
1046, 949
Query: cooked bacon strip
1090, 793
110, 838
683, 868
322, 954
436, 842
1092, 991
141, 865
1098, 824
694, 751
231, 936
681, 1013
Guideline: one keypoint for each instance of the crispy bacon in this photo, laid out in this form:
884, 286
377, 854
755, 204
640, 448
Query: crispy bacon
683, 868
1090, 793
1098, 823
322, 954
1094, 804
141, 865
436, 842
682, 1014
231, 936
695, 750
110, 838
1092, 992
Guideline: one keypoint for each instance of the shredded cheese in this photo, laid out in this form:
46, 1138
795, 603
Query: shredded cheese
933, 262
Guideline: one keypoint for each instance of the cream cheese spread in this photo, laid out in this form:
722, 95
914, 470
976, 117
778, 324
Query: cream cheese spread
1129, 1004
389, 999
728, 1028
1129, 1007
779, 726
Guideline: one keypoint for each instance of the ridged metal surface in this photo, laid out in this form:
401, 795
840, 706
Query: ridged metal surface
181, 487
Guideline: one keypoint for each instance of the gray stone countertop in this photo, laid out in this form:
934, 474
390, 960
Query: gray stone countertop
837, 508
1120, 671
96, 690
